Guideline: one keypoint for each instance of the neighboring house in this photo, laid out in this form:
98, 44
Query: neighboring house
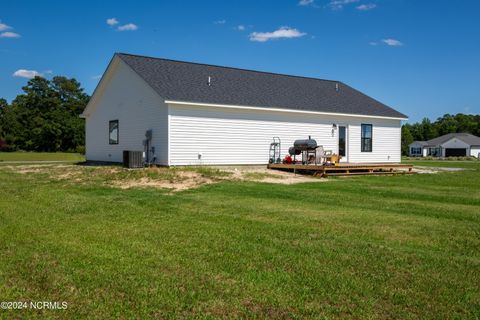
449, 145
203, 114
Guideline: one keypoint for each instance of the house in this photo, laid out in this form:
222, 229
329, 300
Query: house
182, 113
449, 145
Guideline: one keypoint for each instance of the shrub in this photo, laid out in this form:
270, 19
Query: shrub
5, 147
80, 149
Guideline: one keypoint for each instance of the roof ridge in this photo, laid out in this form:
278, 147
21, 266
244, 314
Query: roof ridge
449, 135
227, 67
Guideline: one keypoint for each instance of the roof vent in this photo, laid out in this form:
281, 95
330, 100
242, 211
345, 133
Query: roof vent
336, 87
209, 81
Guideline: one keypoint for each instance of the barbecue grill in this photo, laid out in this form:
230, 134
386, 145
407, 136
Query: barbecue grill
306, 147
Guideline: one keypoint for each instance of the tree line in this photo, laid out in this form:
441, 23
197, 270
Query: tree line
426, 130
45, 117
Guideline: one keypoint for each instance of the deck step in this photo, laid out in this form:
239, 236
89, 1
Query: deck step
346, 169
392, 173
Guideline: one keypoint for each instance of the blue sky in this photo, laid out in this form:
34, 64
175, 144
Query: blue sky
420, 57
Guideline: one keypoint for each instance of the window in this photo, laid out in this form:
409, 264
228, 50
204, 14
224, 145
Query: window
342, 137
416, 151
113, 132
434, 152
366, 138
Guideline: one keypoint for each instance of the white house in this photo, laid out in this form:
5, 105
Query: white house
200, 114
449, 145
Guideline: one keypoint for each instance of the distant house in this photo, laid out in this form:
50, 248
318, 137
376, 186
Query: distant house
449, 145
182, 113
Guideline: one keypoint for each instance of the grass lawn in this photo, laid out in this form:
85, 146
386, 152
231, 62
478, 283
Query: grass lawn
468, 164
402, 247
40, 156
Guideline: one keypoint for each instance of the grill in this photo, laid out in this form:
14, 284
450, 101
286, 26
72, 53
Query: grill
300, 146
306, 147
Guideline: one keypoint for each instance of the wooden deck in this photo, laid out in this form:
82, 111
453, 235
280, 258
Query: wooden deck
346, 169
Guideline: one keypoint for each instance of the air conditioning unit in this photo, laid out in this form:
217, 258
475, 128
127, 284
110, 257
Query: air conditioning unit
132, 159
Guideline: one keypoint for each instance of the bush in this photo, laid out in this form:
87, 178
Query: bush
80, 149
5, 147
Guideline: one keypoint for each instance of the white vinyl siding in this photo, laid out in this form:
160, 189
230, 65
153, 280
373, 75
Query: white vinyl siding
475, 152
239, 136
137, 107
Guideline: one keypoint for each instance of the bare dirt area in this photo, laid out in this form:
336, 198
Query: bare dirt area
174, 179
262, 174
425, 169
183, 181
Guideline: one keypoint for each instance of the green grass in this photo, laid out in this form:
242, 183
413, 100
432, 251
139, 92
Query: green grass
260, 176
402, 247
40, 156
468, 164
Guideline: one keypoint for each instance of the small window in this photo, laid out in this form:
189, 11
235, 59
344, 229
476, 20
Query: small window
366, 138
113, 132
434, 152
416, 151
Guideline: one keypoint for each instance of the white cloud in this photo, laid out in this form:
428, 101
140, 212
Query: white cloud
22, 73
373, 43
283, 32
112, 21
98, 76
366, 7
305, 2
128, 27
4, 27
392, 42
339, 4
240, 27
220, 21
9, 34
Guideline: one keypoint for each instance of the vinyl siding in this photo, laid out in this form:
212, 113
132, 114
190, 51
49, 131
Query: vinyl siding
238, 136
127, 98
475, 152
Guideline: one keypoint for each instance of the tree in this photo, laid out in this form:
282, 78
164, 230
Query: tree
446, 124
428, 130
407, 138
3, 106
46, 116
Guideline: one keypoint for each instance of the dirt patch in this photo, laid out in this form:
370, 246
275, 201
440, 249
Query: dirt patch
425, 169
175, 179
185, 181
34, 168
262, 174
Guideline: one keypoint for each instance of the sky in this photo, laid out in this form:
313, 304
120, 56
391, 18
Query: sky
419, 57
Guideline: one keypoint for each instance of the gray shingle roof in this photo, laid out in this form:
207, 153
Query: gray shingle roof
468, 138
188, 82
422, 143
